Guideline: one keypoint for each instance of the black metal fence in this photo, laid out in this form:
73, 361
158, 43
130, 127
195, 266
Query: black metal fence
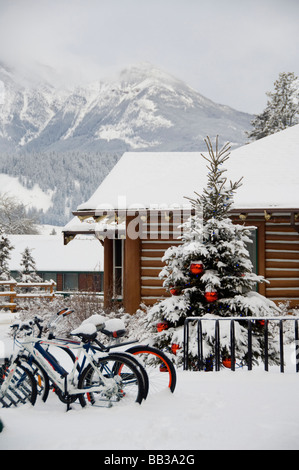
217, 359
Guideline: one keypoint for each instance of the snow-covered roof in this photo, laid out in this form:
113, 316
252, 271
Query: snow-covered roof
269, 166
84, 254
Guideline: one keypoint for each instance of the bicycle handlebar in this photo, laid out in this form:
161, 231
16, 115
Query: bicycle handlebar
37, 321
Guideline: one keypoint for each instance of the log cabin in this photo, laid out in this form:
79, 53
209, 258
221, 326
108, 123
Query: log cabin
137, 211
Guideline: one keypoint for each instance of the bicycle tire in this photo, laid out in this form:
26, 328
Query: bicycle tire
22, 387
41, 377
139, 366
130, 384
130, 357
157, 380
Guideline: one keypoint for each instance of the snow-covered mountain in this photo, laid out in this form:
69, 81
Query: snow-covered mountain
24, 110
143, 109
64, 141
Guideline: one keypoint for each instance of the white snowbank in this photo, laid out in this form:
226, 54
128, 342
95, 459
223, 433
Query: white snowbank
208, 410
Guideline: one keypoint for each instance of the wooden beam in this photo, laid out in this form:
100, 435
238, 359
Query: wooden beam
132, 273
108, 271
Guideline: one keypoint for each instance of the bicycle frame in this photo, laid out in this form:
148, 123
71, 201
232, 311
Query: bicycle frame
65, 381
108, 382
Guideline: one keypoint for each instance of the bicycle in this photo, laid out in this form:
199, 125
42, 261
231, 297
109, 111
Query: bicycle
40, 375
108, 378
66, 345
161, 373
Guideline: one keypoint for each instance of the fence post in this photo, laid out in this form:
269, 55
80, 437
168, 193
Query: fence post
199, 345
232, 344
281, 346
266, 338
296, 346
249, 344
186, 344
217, 346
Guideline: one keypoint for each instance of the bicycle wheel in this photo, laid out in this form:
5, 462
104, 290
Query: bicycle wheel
132, 358
159, 367
40, 376
21, 386
126, 382
139, 366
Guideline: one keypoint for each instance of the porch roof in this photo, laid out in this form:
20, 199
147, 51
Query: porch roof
269, 166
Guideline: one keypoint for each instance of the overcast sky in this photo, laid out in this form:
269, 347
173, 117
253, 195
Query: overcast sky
231, 51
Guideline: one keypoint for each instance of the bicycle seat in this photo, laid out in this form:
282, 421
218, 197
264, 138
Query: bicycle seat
97, 320
86, 332
114, 328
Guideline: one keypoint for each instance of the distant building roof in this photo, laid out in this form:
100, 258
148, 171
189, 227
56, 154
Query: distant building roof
84, 254
269, 166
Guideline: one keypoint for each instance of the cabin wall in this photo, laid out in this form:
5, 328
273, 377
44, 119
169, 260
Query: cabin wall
160, 231
151, 264
278, 255
278, 259
282, 261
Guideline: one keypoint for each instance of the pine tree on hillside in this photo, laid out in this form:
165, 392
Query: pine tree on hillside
282, 108
210, 273
27, 272
5, 249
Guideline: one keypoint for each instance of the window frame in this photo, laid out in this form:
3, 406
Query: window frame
118, 267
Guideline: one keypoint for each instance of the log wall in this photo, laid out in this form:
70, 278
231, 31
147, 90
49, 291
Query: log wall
282, 261
278, 258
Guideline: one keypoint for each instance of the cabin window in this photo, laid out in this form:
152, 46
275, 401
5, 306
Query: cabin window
118, 255
252, 249
253, 253
48, 276
70, 281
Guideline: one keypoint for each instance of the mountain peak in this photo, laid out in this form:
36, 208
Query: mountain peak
144, 70
145, 108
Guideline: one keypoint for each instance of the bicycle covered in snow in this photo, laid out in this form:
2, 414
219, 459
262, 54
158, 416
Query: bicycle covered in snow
161, 373
159, 367
100, 379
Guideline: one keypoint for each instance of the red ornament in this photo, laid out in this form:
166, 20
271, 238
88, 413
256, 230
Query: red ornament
163, 325
227, 362
175, 348
211, 296
175, 291
196, 267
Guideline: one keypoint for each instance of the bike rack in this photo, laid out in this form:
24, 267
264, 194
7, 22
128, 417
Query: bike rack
249, 320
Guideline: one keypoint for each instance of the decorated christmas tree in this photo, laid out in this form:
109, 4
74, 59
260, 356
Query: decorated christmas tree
210, 274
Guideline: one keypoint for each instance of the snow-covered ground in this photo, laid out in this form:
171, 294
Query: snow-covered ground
214, 410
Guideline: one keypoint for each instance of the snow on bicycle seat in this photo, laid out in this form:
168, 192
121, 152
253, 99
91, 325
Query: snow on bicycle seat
87, 332
114, 327
97, 320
